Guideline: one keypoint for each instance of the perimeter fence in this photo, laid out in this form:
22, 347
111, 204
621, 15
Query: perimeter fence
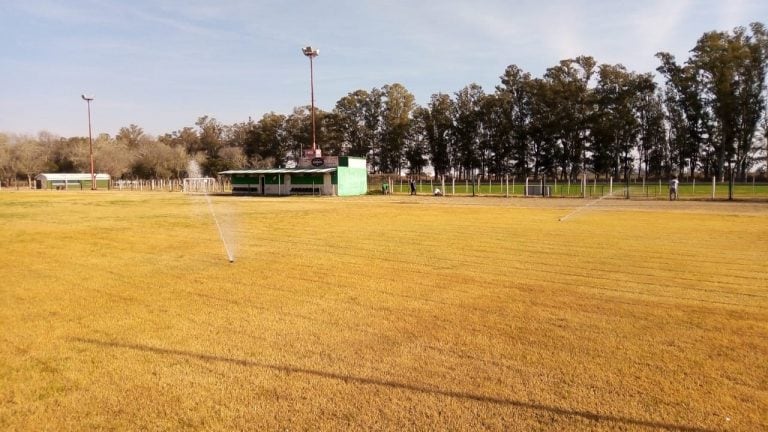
692, 190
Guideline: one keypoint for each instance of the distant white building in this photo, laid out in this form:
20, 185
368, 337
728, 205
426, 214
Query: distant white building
67, 181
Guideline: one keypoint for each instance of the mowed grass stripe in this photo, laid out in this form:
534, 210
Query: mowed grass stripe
662, 276
549, 263
553, 251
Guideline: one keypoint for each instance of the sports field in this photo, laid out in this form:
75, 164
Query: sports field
121, 311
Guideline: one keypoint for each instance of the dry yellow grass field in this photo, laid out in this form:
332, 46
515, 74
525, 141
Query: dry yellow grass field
120, 311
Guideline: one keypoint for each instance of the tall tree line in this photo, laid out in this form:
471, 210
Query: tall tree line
708, 117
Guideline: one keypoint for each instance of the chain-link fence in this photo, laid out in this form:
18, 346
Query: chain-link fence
693, 190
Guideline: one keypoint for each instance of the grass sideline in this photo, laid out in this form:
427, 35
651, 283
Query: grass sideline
121, 311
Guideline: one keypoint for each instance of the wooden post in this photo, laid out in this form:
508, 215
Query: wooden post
714, 184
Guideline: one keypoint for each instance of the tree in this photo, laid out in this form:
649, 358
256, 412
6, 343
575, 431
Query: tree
296, 132
7, 171
763, 149
71, 155
732, 68
232, 158
436, 122
570, 107
398, 103
495, 131
416, 149
328, 134
620, 120
155, 159
114, 158
186, 138
517, 96
752, 101
234, 135
689, 122
130, 136
28, 158
543, 131
267, 139
211, 132
372, 114
654, 145
467, 121
715, 62
351, 113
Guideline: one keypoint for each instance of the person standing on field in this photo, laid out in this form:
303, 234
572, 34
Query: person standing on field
673, 189
413, 187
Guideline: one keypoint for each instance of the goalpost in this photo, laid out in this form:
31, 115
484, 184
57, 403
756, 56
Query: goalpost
199, 185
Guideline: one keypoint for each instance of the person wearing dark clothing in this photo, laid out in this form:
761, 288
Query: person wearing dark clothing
413, 187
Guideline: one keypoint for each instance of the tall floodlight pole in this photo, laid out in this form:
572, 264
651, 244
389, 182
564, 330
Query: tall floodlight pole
312, 53
88, 100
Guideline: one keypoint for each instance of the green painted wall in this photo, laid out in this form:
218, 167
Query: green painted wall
273, 179
299, 179
245, 179
352, 181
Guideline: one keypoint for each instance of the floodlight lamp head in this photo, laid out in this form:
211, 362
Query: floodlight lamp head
86, 98
310, 52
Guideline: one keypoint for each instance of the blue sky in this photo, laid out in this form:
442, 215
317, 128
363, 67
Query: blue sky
162, 64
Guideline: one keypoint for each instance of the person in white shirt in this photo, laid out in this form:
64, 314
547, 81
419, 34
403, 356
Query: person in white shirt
673, 189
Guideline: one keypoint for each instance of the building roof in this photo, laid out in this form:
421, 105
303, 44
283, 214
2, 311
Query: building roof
282, 171
70, 176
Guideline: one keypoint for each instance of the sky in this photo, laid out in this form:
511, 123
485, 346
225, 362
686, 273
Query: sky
162, 64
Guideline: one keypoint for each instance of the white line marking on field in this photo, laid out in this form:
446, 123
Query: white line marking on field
562, 219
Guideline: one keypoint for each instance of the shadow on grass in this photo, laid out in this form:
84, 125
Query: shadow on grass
397, 385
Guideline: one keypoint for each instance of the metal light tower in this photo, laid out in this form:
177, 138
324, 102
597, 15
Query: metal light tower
312, 53
88, 100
